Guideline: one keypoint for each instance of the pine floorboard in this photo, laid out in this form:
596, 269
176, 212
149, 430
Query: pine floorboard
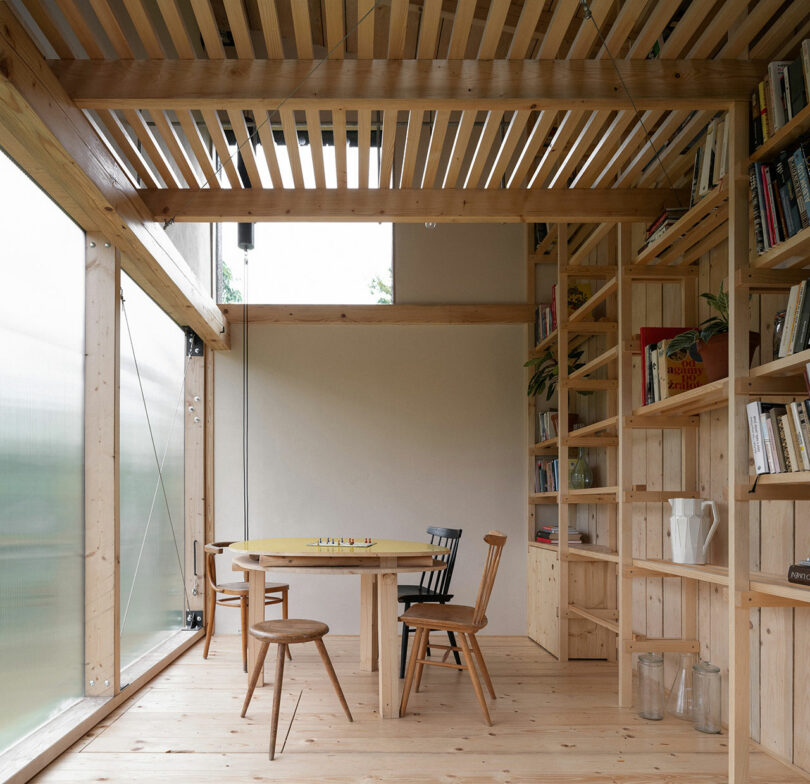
552, 723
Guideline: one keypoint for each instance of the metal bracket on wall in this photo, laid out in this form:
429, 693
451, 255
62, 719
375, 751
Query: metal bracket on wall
194, 620
194, 343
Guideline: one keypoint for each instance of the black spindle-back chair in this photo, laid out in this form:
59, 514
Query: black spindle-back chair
434, 586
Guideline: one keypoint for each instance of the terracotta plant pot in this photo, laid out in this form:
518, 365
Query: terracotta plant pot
715, 354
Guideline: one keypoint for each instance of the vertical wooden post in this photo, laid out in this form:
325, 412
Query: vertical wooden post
625, 466
738, 533
102, 595
194, 418
369, 648
208, 535
531, 425
562, 431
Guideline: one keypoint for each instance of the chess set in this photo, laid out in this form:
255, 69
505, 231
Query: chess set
343, 541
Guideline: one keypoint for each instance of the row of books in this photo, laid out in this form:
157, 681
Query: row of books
796, 327
546, 475
550, 534
780, 96
711, 159
800, 572
780, 193
663, 376
780, 436
547, 425
661, 225
545, 320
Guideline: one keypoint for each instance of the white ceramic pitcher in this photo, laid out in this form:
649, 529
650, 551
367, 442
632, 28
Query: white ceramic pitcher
690, 529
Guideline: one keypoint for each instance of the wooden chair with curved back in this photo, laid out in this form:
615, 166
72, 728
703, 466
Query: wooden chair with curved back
461, 619
235, 595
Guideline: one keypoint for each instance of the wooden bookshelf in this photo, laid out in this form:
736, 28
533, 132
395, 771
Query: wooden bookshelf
773, 585
592, 552
792, 365
707, 573
783, 138
694, 401
595, 427
549, 446
792, 252
543, 546
549, 497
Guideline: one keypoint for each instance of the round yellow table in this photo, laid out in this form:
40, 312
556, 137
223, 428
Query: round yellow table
377, 565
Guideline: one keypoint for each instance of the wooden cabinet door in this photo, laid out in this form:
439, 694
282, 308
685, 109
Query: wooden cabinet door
543, 599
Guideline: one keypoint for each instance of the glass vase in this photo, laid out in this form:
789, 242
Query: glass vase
581, 475
679, 700
651, 686
706, 687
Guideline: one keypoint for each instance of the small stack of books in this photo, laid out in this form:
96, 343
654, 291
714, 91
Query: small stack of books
546, 475
547, 425
550, 534
545, 320
780, 193
796, 328
661, 224
780, 436
663, 376
780, 96
800, 572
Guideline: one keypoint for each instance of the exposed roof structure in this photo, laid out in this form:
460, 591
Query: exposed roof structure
465, 109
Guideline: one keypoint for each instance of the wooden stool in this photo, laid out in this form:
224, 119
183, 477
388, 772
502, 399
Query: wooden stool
285, 633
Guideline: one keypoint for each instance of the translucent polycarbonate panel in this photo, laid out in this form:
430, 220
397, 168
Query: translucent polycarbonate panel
41, 457
152, 501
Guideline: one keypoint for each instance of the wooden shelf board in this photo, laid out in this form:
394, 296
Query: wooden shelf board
595, 552
788, 133
793, 252
592, 272
592, 495
544, 546
610, 287
659, 273
707, 573
602, 359
606, 623
705, 398
547, 341
773, 585
543, 498
603, 424
592, 327
792, 365
792, 478
541, 447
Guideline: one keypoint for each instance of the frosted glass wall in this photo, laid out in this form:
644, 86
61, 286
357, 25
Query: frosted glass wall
41, 457
152, 511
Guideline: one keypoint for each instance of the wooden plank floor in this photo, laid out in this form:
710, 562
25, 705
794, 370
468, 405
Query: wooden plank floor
553, 723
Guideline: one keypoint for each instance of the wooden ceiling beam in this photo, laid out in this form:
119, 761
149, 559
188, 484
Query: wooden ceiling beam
411, 205
412, 84
54, 142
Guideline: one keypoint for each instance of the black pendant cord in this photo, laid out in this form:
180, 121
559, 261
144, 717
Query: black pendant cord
245, 403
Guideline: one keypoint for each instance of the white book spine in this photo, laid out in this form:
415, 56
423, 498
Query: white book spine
790, 313
773, 467
803, 456
755, 433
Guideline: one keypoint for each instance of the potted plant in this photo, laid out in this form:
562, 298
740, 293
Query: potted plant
710, 339
546, 373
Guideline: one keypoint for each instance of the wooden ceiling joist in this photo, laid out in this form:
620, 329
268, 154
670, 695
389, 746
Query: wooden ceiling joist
427, 85
411, 205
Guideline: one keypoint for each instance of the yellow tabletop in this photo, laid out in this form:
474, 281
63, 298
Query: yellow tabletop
303, 546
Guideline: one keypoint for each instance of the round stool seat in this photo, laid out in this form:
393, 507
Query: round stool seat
289, 631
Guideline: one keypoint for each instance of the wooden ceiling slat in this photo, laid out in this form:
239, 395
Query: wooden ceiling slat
389, 136
143, 23
459, 151
397, 29
302, 27
268, 19
291, 143
167, 132
671, 154
462, 21
429, 29
123, 164
528, 154
177, 29
108, 20
587, 34
334, 29
209, 30
589, 243
265, 131
316, 146
412, 139
365, 29
634, 169
49, 29
198, 147
652, 29
363, 147
78, 24
692, 20
790, 46
524, 30
339, 136
589, 171
565, 131
743, 34
483, 148
217, 134
778, 32
621, 29
240, 29
513, 137
244, 146
552, 39
151, 147
129, 149
593, 126
438, 133
716, 29
634, 139
493, 29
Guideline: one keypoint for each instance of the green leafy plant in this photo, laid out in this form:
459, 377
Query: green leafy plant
714, 325
546, 373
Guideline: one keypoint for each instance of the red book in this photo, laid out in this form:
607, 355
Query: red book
682, 372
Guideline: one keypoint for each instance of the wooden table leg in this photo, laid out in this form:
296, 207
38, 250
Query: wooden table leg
389, 662
255, 615
368, 622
